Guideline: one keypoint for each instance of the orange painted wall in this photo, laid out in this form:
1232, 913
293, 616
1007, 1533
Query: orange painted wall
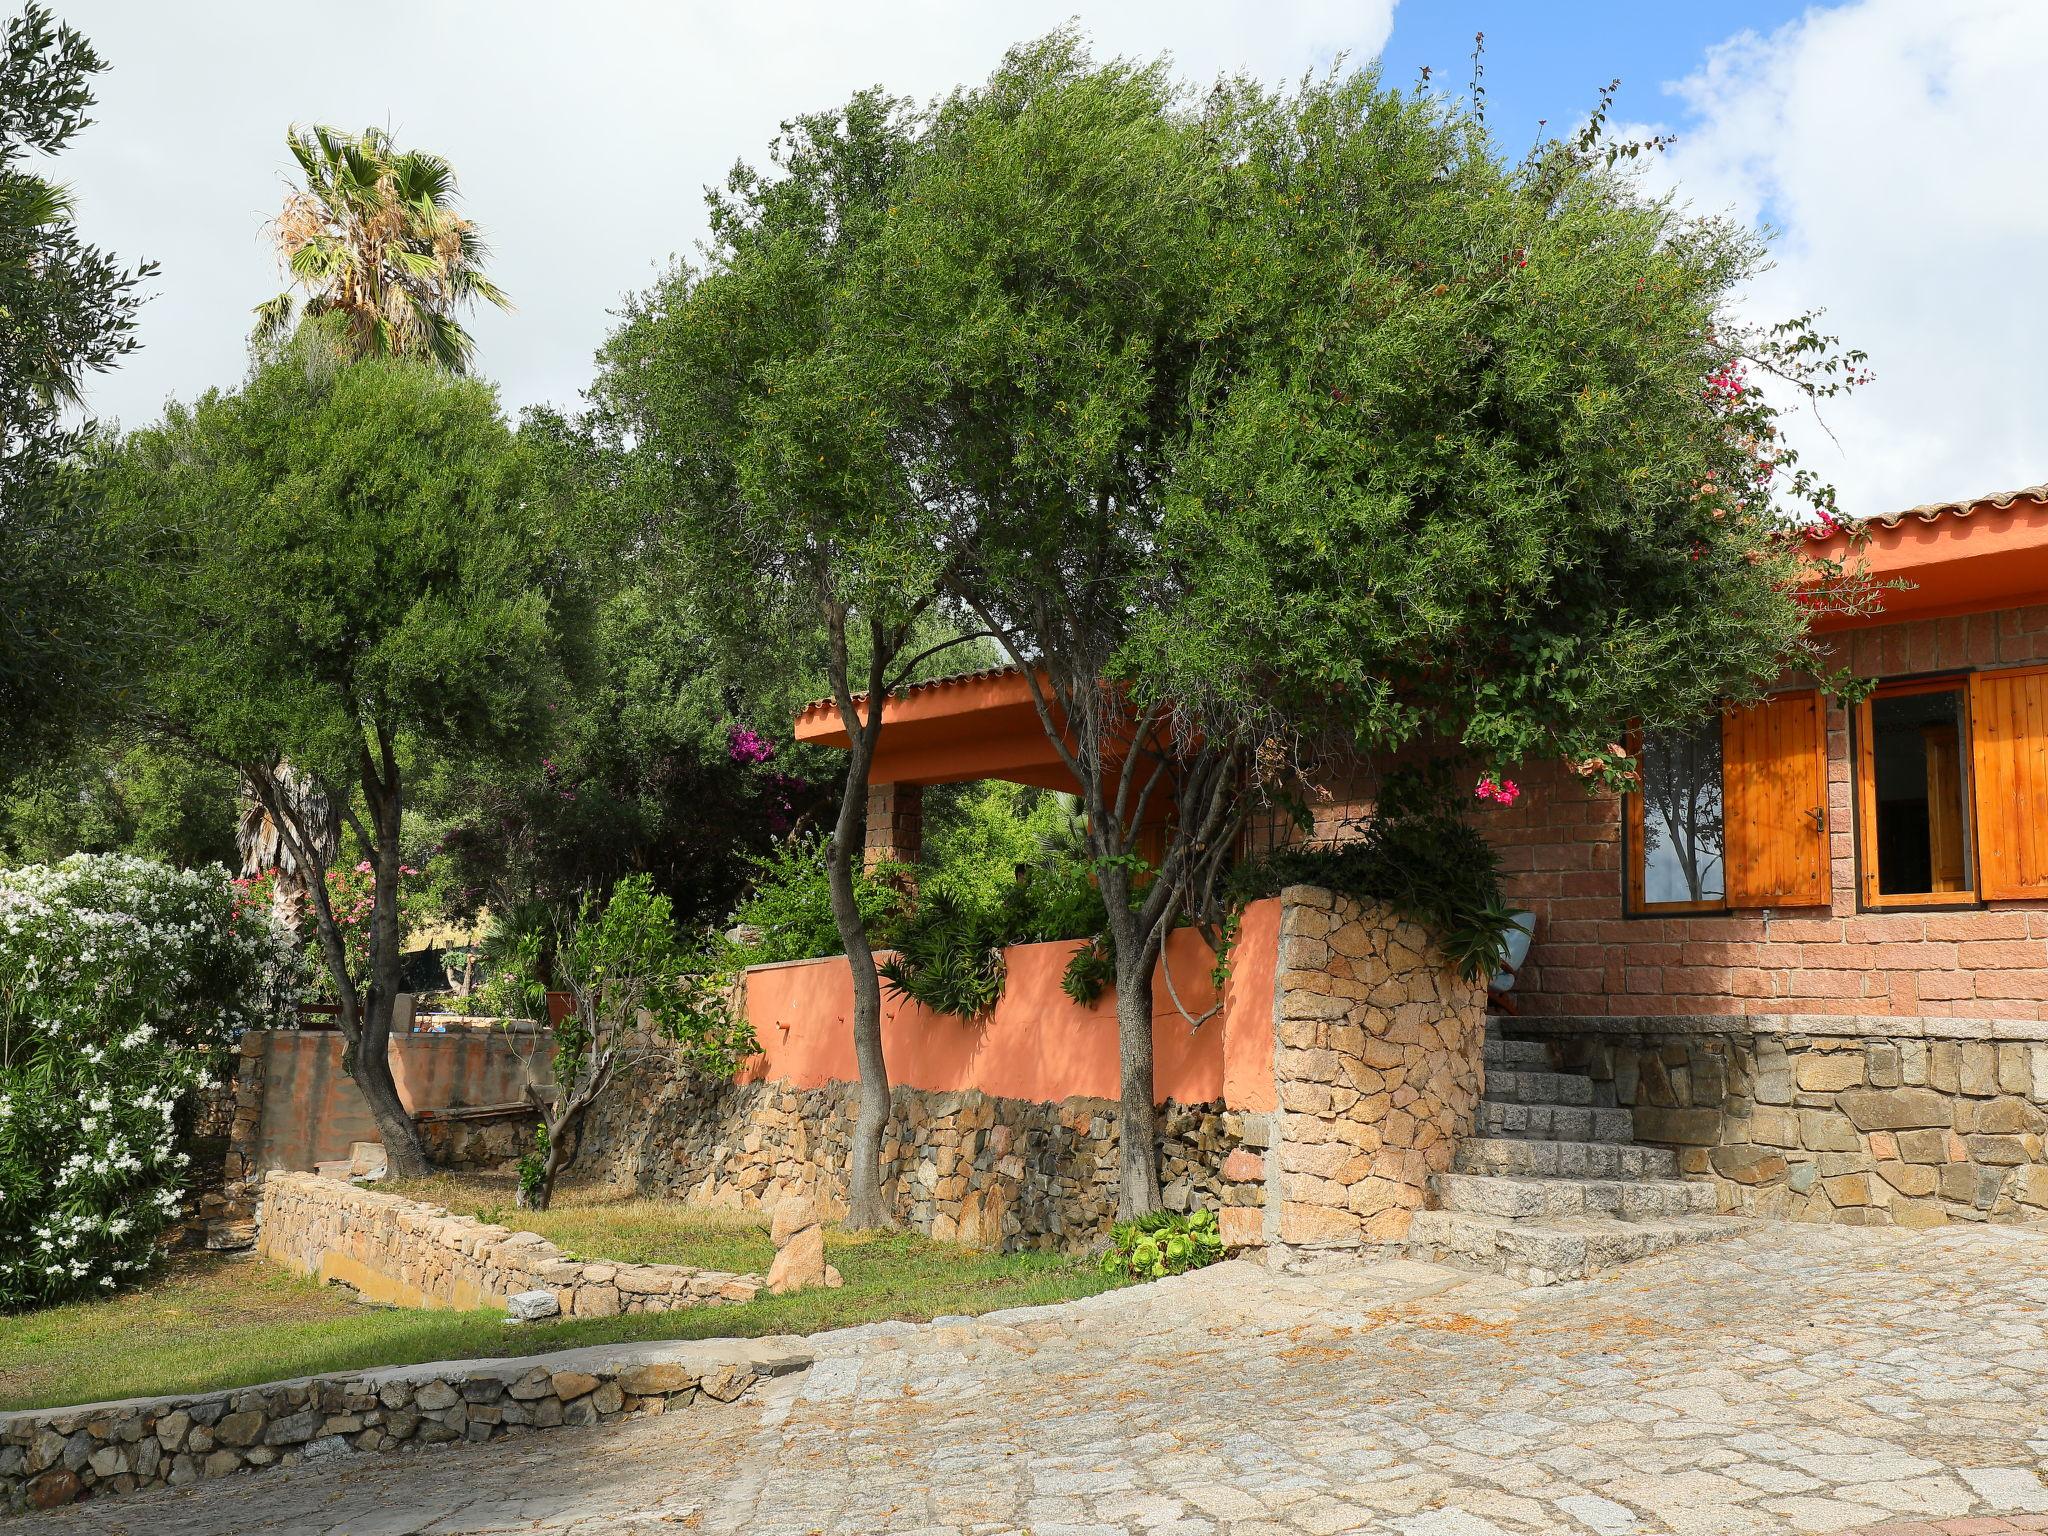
1039, 1044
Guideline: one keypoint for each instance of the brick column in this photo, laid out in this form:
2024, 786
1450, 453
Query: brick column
895, 824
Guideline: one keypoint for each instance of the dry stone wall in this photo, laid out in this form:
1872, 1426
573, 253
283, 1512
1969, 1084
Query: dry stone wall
55, 1456
1378, 1065
402, 1251
1881, 1121
964, 1166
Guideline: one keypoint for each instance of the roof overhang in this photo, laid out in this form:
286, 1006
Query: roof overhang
980, 726
1960, 556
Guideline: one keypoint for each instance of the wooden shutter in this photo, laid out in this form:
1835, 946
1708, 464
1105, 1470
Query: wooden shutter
1774, 800
2009, 756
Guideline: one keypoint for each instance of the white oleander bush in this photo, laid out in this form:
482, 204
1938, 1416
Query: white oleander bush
123, 985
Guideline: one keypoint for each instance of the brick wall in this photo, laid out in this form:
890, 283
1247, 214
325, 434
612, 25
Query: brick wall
1561, 855
1561, 850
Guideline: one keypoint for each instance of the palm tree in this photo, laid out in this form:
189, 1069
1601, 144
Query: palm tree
373, 238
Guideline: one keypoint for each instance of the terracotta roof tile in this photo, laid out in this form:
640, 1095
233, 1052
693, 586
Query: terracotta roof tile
1934, 511
985, 674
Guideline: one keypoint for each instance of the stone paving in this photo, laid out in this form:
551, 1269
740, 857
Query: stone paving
1796, 1378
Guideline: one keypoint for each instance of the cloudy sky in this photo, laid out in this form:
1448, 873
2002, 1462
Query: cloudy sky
1891, 143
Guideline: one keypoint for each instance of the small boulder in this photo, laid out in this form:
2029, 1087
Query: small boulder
792, 1214
800, 1262
530, 1306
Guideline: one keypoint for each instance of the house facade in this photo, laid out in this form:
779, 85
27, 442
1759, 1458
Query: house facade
1809, 956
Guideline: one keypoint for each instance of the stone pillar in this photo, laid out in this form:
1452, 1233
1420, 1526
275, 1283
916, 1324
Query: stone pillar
231, 1216
1378, 1066
895, 824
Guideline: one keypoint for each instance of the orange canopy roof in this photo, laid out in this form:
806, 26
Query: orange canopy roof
982, 725
1961, 557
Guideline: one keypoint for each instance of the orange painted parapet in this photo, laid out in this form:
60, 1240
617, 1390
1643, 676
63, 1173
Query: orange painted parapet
1039, 1044
1961, 557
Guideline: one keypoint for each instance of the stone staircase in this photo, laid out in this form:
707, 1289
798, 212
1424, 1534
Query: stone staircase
1552, 1186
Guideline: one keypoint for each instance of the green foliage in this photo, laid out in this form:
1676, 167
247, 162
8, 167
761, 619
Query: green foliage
532, 1169
1007, 868
949, 955
112, 796
640, 771
628, 958
122, 984
1092, 969
1163, 1243
789, 908
980, 837
67, 309
1420, 854
338, 552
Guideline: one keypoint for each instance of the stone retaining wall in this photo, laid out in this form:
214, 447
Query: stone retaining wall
54, 1456
1377, 1057
404, 1252
1872, 1121
963, 1166
1376, 1062
491, 1136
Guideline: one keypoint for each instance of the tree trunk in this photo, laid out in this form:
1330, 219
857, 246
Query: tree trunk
372, 1068
865, 1208
561, 1144
1137, 1189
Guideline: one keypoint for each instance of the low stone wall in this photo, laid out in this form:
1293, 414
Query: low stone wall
962, 1166
410, 1254
1378, 1057
490, 1137
1865, 1121
55, 1456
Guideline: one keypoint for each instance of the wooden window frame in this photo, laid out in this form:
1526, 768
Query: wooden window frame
1864, 756
1638, 903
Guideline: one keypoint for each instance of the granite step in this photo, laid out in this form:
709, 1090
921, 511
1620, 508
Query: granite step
1626, 1199
1554, 1250
1517, 1156
1555, 1122
1516, 1055
1519, 1087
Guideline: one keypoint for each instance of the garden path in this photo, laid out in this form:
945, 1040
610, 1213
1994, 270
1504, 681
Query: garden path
1796, 1378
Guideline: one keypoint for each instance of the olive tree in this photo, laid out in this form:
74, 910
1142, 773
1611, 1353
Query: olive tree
730, 405
348, 573
1269, 422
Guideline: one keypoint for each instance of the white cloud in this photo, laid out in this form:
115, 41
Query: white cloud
583, 135
1897, 148
1894, 142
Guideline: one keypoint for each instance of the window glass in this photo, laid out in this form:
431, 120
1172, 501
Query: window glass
1918, 792
1682, 837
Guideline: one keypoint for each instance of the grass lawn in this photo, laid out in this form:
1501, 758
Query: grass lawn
211, 1321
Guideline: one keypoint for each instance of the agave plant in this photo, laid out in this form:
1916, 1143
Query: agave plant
373, 238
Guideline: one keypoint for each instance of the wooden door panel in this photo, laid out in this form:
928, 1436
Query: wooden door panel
1775, 795
2009, 756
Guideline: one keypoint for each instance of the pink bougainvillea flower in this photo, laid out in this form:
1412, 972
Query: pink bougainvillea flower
1499, 791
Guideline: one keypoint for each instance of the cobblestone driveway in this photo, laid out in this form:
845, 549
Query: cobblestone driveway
1795, 1379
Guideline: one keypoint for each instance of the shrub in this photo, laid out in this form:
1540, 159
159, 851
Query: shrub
1163, 1243
122, 982
790, 905
637, 987
1419, 855
949, 956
